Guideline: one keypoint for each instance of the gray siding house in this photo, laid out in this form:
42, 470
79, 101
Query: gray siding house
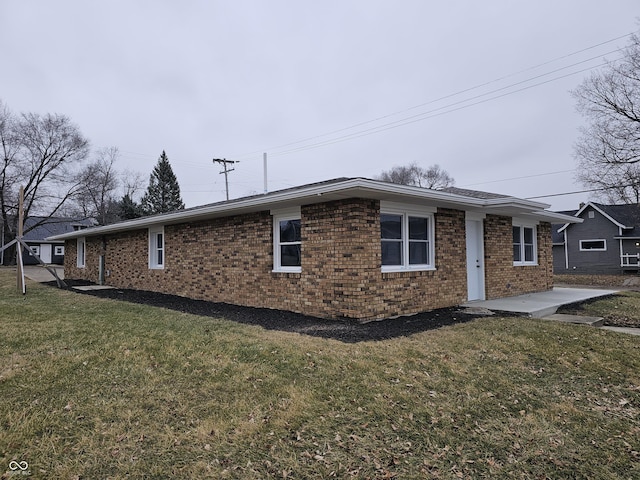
606, 242
38, 229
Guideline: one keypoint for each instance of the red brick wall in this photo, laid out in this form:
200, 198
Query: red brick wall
231, 260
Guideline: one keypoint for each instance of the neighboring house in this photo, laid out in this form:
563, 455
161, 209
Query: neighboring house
606, 242
50, 252
349, 248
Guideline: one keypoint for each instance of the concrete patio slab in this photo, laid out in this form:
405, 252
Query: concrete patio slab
541, 304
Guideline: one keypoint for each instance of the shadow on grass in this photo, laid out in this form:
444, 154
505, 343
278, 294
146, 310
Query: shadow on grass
348, 331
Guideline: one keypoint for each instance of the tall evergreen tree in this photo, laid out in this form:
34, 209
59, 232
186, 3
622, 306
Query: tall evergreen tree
163, 193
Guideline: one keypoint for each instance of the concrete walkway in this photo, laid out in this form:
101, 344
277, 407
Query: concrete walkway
41, 274
541, 304
629, 330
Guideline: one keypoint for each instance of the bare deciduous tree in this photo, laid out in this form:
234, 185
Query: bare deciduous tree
105, 194
132, 183
609, 146
41, 153
413, 174
96, 197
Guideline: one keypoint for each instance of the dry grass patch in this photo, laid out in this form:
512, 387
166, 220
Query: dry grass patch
621, 310
103, 389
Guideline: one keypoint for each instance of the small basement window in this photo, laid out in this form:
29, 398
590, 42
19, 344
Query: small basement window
599, 245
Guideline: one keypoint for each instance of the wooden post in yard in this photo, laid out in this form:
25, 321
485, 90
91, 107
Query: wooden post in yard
19, 267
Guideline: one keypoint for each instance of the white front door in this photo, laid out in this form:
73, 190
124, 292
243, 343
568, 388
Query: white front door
45, 252
475, 259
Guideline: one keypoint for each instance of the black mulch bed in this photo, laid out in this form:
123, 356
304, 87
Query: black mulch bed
347, 331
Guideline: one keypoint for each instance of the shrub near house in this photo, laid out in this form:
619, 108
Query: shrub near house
347, 248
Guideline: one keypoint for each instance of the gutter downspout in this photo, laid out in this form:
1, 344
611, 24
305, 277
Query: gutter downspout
566, 250
621, 249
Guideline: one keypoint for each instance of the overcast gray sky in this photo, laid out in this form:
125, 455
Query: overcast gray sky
327, 88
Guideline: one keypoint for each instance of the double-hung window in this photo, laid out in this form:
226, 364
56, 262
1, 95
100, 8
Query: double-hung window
524, 245
406, 237
287, 241
81, 245
156, 248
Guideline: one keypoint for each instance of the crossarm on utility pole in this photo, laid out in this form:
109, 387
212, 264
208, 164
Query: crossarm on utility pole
224, 162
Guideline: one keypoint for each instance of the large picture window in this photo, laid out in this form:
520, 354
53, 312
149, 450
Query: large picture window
524, 245
287, 242
156, 248
406, 240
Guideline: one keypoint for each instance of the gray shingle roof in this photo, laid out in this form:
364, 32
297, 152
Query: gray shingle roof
52, 226
472, 193
627, 215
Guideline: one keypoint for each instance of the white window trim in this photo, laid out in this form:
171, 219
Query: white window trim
533, 262
153, 248
411, 211
604, 241
35, 249
279, 216
81, 252
58, 250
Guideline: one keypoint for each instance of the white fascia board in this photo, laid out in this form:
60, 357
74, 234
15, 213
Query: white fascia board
513, 202
356, 187
553, 217
350, 188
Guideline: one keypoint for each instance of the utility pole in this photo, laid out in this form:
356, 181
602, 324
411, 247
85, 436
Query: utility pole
19, 265
264, 165
224, 162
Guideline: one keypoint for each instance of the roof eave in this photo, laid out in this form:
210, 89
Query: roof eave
350, 188
553, 217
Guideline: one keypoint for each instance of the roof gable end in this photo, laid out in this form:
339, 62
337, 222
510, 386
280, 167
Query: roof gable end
601, 210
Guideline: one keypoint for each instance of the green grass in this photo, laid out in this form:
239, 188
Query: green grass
93, 388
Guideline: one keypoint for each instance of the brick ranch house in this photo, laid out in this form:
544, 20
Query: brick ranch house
349, 248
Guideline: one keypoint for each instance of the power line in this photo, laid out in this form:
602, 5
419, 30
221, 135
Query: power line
424, 115
357, 134
517, 178
578, 191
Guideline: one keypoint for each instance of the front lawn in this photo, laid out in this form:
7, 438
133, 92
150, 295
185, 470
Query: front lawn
94, 388
621, 310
